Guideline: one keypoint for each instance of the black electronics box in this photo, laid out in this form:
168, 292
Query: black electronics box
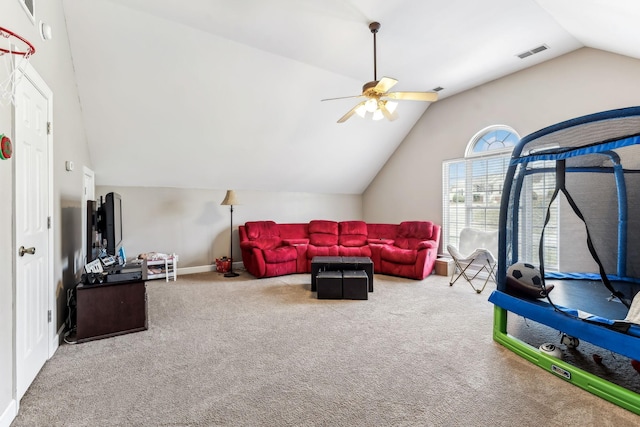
124, 275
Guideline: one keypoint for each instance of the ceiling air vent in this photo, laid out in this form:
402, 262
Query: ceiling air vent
533, 51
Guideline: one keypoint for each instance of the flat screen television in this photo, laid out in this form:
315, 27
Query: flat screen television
92, 231
111, 222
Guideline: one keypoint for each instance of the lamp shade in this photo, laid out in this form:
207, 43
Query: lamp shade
371, 105
391, 106
230, 198
361, 110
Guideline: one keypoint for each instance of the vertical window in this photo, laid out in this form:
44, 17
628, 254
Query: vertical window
472, 187
472, 194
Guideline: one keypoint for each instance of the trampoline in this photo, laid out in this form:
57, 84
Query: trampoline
594, 163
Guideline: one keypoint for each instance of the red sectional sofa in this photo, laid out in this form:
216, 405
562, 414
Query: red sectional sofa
408, 249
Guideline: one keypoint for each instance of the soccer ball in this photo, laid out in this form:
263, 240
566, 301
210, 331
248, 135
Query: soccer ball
569, 341
525, 272
524, 279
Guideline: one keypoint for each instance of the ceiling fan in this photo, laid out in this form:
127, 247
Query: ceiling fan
376, 90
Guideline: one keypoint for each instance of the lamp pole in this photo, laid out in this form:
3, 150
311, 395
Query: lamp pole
229, 200
231, 273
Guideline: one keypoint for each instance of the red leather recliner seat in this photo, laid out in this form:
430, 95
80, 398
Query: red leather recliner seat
263, 252
413, 252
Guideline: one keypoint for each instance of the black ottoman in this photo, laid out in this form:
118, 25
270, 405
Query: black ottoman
329, 284
359, 263
321, 263
355, 284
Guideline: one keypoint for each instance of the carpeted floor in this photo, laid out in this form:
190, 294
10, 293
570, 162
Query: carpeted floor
247, 352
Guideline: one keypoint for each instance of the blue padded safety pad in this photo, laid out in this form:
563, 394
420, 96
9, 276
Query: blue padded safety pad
588, 276
593, 330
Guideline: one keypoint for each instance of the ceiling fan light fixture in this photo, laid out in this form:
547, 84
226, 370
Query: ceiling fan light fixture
391, 106
371, 105
361, 110
377, 115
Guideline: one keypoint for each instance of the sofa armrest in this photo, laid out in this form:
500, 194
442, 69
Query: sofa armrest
294, 242
426, 244
249, 244
263, 243
380, 241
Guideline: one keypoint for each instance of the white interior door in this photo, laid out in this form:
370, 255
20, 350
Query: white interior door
32, 231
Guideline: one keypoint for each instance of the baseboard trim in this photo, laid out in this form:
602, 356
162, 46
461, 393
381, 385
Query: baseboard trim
57, 339
206, 268
198, 269
9, 414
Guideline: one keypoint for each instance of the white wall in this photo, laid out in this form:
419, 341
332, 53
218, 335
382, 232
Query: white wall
52, 61
193, 224
409, 186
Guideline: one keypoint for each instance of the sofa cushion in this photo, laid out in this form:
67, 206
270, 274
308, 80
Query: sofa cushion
281, 254
313, 251
355, 251
323, 239
294, 231
382, 231
410, 233
323, 233
260, 229
352, 233
398, 255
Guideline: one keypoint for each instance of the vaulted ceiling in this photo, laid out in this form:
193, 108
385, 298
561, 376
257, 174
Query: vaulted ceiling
226, 94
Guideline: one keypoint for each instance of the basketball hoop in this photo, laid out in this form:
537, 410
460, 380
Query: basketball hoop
15, 60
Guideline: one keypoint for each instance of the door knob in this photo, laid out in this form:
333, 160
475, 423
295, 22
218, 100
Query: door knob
23, 251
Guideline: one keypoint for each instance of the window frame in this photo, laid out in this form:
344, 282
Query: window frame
466, 218
475, 155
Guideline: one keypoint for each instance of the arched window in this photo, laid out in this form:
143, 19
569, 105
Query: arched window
492, 140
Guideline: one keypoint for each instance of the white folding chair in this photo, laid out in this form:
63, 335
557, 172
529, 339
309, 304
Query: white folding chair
476, 255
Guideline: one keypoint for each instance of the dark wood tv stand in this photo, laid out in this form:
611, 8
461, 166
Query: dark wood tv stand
108, 309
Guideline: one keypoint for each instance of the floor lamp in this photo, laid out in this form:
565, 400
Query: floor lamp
230, 200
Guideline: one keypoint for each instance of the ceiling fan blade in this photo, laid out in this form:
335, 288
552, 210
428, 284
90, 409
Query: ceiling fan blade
385, 84
388, 114
350, 113
413, 96
342, 97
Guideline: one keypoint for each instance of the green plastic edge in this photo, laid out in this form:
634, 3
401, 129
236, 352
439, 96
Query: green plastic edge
592, 383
